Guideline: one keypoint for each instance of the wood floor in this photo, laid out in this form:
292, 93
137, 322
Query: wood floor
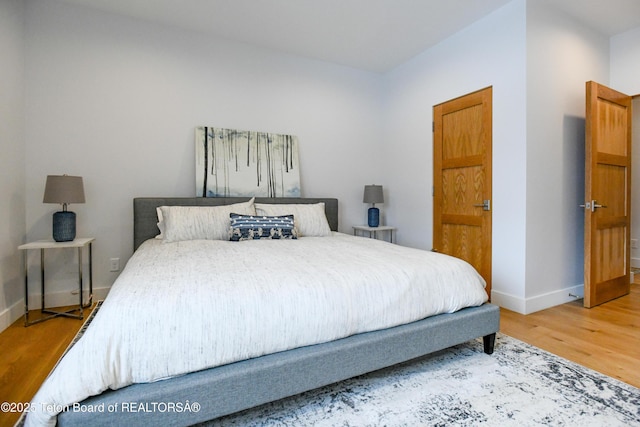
605, 338
27, 356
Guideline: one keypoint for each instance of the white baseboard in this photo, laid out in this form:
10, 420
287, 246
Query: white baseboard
510, 302
11, 314
635, 262
55, 299
538, 302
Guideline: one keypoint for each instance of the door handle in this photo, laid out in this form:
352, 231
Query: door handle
485, 205
593, 205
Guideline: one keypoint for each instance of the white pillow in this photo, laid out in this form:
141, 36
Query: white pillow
200, 222
310, 219
160, 223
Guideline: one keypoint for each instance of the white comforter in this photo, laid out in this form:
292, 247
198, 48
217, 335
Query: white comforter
186, 306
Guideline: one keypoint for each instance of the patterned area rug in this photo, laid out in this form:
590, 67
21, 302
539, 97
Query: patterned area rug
519, 385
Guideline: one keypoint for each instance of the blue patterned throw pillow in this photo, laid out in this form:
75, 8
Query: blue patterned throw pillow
250, 227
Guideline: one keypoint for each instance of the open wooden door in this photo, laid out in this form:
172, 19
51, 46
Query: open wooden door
462, 140
607, 195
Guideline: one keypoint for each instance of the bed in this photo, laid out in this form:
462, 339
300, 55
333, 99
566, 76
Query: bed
311, 347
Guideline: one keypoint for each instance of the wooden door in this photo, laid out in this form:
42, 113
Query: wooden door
462, 139
607, 195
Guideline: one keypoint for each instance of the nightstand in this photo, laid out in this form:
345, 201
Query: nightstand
80, 244
373, 231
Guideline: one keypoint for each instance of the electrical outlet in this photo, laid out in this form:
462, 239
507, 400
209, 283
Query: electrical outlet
634, 243
115, 264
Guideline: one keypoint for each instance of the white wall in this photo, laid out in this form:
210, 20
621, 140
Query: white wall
537, 59
625, 62
562, 54
491, 52
625, 72
12, 173
116, 101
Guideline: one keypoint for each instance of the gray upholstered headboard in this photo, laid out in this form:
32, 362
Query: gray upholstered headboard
145, 218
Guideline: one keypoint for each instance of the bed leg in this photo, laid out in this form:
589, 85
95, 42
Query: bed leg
489, 342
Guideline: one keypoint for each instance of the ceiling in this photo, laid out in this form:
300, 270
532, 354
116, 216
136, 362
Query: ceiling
374, 35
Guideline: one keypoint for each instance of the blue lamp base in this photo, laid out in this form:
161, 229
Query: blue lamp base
373, 217
64, 226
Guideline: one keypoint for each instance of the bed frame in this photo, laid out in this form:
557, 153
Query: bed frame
237, 386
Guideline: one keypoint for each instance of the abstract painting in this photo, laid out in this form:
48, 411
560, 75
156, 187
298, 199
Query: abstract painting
233, 162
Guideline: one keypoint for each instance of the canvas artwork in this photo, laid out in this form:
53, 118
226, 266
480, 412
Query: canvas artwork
233, 162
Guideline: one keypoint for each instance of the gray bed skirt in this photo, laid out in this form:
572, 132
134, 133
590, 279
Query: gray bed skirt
231, 388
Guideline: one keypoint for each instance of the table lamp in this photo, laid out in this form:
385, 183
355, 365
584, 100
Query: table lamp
373, 194
64, 189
